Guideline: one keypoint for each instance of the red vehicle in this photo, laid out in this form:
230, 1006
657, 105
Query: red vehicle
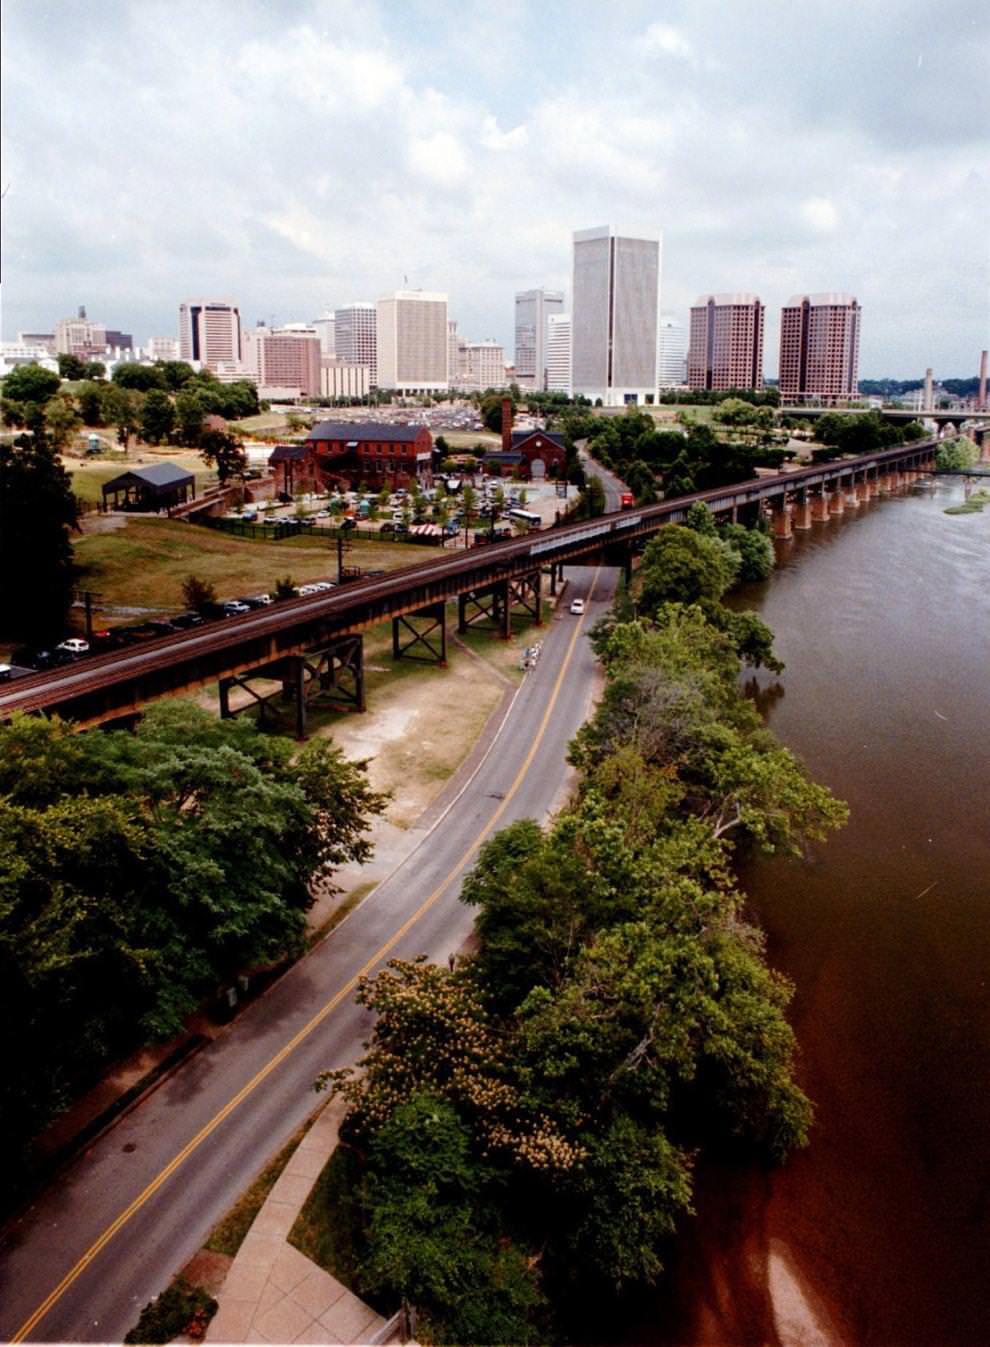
626, 500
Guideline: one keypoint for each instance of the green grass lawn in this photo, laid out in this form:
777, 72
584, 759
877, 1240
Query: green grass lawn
461, 440
144, 563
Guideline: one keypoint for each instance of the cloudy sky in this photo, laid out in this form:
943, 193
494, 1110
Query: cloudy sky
299, 154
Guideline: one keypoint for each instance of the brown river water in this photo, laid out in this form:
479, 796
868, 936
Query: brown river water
877, 1233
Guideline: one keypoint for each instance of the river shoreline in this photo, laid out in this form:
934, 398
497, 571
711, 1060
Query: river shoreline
876, 1233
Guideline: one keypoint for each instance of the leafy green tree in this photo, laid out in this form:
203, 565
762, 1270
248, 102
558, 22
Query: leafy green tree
491, 412
91, 399
157, 417
122, 408
595, 498
735, 412
138, 378
138, 870
753, 548
223, 450
62, 420
176, 373
198, 594
682, 566
30, 383
701, 519
285, 588
94, 369
37, 512
955, 454
189, 415
71, 367
642, 483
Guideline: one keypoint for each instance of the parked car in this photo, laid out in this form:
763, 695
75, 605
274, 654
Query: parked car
387, 527
307, 589
186, 620
5, 672
323, 586
577, 607
234, 608
349, 523
74, 645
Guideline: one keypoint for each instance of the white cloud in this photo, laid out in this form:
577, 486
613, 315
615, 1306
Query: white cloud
440, 158
494, 139
305, 154
820, 213
662, 37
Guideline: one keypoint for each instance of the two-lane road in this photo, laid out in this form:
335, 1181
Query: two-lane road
126, 1215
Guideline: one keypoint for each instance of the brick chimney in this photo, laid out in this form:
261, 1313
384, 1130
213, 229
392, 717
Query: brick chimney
506, 424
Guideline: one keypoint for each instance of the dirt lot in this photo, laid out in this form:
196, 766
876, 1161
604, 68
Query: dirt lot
412, 741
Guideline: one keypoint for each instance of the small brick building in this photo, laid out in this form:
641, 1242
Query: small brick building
526, 449
374, 453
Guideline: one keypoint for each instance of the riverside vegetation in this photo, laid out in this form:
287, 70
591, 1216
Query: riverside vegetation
522, 1132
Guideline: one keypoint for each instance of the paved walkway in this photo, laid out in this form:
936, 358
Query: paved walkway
273, 1293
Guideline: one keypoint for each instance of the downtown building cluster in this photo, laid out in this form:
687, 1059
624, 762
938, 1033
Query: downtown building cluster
611, 344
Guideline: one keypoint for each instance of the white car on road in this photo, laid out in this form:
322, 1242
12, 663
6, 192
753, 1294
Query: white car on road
577, 606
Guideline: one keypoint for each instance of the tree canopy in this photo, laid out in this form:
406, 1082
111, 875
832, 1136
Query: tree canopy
618, 1018
30, 383
139, 870
37, 513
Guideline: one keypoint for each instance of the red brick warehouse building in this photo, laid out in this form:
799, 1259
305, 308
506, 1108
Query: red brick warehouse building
343, 454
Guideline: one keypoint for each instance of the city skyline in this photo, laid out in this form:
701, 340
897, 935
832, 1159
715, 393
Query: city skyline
447, 158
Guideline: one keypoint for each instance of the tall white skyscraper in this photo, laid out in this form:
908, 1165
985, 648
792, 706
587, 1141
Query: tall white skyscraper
533, 309
559, 353
325, 326
355, 336
412, 342
210, 332
672, 349
616, 303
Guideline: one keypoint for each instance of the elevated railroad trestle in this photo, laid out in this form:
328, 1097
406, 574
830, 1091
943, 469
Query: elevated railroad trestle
118, 684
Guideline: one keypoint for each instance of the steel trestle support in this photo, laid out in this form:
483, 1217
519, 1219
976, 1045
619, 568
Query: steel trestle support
435, 616
332, 676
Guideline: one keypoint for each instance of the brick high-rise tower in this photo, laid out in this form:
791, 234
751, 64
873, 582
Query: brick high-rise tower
819, 349
726, 344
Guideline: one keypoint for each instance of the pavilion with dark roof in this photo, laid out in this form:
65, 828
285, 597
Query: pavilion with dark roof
156, 487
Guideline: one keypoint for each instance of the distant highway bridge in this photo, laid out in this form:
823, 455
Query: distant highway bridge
312, 647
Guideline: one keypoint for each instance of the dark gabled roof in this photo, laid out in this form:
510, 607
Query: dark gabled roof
365, 430
519, 436
288, 453
159, 477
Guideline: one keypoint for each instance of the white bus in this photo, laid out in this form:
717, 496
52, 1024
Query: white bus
527, 517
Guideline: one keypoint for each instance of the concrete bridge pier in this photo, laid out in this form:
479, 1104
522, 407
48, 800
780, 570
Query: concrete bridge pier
780, 513
862, 490
836, 500
803, 510
820, 505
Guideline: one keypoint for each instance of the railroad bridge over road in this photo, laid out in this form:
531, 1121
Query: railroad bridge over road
313, 645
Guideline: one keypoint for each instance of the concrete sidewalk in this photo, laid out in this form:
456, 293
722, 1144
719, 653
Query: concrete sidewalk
273, 1293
